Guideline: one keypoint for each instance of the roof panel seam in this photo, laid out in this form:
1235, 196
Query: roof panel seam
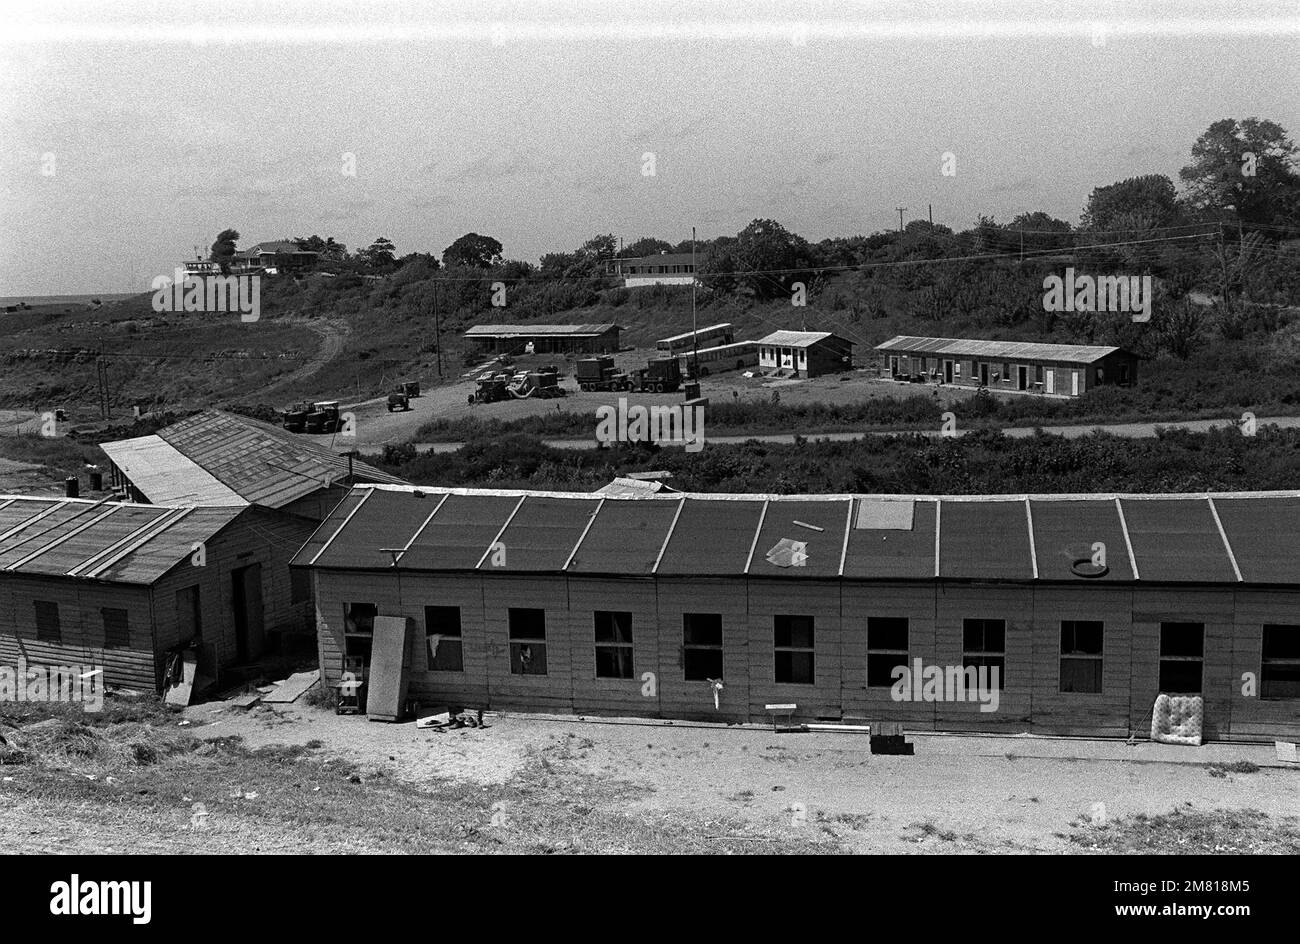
31, 521
488, 549
59, 540
324, 547
938, 518
668, 537
590, 521
110, 555
1128, 542
1033, 548
757, 532
419, 530
1227, 545
848, 529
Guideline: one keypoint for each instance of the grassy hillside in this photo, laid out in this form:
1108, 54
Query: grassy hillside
352, 337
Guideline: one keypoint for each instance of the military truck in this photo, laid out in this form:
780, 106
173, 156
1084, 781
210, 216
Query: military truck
491, 387
398, 400
295, 418
543, 383
660, 375
599, 373
323, 417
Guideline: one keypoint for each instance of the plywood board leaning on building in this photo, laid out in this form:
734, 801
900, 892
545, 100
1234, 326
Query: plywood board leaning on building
390, 669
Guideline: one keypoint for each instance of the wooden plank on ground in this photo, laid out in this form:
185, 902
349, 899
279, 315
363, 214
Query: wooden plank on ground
293, 688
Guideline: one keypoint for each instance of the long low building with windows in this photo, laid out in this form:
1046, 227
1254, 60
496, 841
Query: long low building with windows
1056, 370
1088, 606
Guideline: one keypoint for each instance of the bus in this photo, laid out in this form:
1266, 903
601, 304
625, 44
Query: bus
708, 337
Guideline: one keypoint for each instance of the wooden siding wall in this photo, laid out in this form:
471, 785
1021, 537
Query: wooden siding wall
828, 356
257, 536
1030, 702
81, 626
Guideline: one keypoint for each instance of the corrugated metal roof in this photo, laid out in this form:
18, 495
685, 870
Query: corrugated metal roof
543, 533
460, 534
167, 476
795, 338
1178, 541
711, 538
114, 541
815, 527
996, 537
1065, 533
984, 541
1008, 350
524, 330
889, 553
254, 461
1262, 536
625, 537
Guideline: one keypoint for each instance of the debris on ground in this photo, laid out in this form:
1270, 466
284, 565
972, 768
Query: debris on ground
448, 719
292, 688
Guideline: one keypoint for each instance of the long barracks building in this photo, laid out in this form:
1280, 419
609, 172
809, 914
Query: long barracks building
1089, 605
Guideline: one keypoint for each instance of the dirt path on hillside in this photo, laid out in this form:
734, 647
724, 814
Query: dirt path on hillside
333, 333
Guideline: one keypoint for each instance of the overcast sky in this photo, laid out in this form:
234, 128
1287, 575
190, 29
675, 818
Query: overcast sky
823, 116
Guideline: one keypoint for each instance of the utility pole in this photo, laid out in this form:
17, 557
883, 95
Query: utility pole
900, 217
695, 329
931, 216
437, 329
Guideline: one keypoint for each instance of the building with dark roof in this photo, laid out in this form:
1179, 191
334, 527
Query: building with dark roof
217, 458
545, 339
272, 258
1088, 606
1062, 370
804, 353
121, 586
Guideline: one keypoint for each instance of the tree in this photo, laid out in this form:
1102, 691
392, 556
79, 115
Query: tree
1040, 231
381, 254
599, 248
325, 248
223, 250
1179, 327
474, 251
1137, 203
716, 266
1244, 169
764, 246
648, 246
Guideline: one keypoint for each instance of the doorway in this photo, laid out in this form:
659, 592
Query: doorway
984, 375
947, 372
1022, 377
246, 604
1051, 380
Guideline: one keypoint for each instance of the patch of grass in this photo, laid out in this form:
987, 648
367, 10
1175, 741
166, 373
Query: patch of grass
1191, 832
1233, 767
931, 831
